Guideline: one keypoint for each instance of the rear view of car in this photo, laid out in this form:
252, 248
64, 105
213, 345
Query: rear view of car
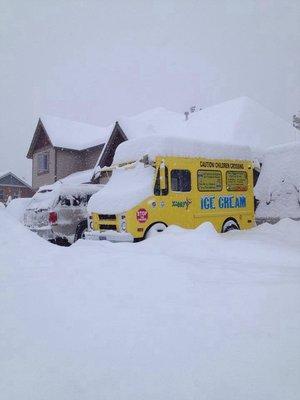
58, 212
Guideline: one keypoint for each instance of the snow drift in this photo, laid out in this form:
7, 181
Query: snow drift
188, 315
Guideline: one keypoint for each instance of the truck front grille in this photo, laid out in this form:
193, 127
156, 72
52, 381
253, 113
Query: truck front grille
108, 227
107, 216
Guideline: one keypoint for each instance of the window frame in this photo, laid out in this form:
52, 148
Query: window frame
43, 154
157, 191
190, 180
237, 190
209, 170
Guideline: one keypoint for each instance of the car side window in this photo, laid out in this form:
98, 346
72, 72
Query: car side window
65, 201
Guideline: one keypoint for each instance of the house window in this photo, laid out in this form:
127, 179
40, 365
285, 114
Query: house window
43, 162
180, 180
1, 195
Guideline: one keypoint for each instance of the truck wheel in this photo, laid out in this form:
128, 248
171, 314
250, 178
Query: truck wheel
81, 228
155, 229
230, 225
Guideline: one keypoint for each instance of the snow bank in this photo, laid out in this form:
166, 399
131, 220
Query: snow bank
135, 149
17, 207
74, 135
278, 185
125, 189
188, 315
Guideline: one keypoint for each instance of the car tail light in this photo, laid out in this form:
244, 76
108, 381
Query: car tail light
52, 217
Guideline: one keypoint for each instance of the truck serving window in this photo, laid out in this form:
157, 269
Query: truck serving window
209, 180
236, 181
158, 191
180, 180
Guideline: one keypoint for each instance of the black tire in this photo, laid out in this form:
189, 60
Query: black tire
230, 225
62, 242
152, 225
81, 227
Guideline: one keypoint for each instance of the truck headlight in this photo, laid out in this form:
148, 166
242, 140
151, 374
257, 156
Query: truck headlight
123, 226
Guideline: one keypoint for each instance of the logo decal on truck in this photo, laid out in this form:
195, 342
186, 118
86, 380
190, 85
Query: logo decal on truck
182, 203
142, 215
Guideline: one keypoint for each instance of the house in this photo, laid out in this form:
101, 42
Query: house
14, 187
60, 147
239, 121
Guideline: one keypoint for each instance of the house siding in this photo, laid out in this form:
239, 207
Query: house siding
46, 178
68, 162
91, 156
14, 192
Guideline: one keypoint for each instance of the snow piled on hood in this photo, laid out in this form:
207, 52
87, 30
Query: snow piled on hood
278, 186
125, 189
167, 146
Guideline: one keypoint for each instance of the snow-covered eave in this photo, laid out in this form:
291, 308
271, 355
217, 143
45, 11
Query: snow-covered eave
79, 150
35, 137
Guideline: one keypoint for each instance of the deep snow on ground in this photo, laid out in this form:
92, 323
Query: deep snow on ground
186, 315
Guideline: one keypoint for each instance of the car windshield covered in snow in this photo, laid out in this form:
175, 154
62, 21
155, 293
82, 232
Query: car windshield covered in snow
43, 199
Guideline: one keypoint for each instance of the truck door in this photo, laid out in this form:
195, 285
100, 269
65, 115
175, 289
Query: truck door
181, 196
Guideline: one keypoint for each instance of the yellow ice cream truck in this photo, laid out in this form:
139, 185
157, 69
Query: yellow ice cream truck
159, 181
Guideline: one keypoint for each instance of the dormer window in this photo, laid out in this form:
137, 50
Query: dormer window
43, 162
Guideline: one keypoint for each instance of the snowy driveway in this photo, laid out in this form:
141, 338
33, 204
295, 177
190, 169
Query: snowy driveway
188, 315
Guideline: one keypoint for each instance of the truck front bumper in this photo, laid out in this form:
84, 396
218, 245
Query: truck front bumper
111, 236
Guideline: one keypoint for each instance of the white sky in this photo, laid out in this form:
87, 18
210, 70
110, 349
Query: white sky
93, 61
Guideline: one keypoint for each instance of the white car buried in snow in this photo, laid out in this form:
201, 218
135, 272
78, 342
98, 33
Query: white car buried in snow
58, 212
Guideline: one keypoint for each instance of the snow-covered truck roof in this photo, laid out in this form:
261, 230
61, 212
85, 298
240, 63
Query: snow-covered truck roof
169, 146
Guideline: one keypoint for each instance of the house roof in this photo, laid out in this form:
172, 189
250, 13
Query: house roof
239, 121
74, 135
156, 121
3, 174
67, 134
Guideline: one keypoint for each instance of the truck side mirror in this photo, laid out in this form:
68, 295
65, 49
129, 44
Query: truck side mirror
162, 171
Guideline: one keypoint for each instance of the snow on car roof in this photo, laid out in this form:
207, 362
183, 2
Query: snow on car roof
135, 149
74, 135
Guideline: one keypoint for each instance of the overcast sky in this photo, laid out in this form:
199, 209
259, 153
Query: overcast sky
93, 61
